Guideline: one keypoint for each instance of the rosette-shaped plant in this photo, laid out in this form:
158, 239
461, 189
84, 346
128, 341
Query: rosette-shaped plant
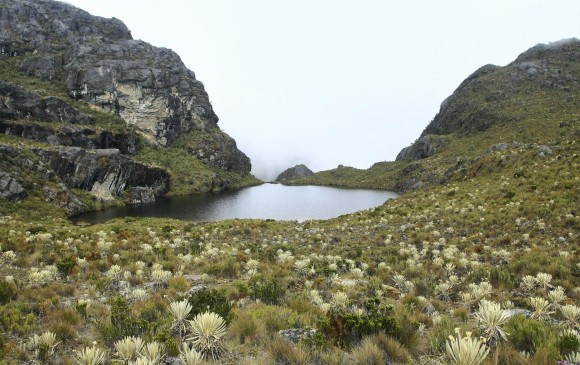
207, 330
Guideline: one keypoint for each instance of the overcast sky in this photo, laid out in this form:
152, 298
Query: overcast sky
329, 82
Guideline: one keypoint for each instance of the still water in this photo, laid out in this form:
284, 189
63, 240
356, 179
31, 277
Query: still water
267, 201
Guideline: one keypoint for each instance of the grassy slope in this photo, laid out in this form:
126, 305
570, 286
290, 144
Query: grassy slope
494, 224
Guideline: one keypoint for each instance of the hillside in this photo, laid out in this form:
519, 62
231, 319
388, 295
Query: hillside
530, 103
99, 118
478, 258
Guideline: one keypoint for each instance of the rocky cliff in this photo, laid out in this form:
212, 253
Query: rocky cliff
76, 80
480, 101
294, 173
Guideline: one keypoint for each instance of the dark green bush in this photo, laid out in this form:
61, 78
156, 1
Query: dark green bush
568, 344
346, 328
171, 346
210, 300
7, 291
123, 323
527, 334
65, 266
266, 289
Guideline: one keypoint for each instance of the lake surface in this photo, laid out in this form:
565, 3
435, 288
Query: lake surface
267, 201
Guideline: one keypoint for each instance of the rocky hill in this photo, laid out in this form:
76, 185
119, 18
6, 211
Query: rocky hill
89, 108
294, 172
530, 102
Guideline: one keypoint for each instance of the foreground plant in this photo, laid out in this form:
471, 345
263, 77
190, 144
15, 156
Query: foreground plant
189, 356
91, 356
491, 317
180, 310
465, 350
153, 351
541, 308
128, 348
572, 315
207, 329
573, 358
42, 345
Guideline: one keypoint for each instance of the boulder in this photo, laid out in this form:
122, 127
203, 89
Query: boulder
10, 189
296, 334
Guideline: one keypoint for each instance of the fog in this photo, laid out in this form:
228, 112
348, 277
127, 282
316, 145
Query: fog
331, 82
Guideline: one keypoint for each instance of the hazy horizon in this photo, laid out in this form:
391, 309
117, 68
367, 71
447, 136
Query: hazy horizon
326, 83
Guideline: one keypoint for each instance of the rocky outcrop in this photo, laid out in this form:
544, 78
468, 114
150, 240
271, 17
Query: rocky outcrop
100, 63
219, 150
10, 189
18, 103
294, 172
65, 199
106, 173
424, 147
72, 135
103, 97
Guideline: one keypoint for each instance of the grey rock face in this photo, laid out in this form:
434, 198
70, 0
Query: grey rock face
10, 189
424, 147
106, 173
17, 103
64, 198
294, 172
142, 194
219, 150
71, 135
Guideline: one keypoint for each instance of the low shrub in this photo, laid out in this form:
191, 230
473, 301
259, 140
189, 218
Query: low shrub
211, 300
346, 328
266, 289
8, 291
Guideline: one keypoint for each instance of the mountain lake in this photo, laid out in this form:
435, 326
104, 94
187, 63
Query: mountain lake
267, 201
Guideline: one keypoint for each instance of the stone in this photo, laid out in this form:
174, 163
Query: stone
294, 173
140, 195
543, 151
296, 334
194, 289
10, 189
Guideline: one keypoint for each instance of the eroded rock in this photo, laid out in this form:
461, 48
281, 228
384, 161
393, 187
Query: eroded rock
10, 189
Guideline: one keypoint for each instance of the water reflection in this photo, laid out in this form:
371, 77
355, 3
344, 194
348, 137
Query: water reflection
268, 201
